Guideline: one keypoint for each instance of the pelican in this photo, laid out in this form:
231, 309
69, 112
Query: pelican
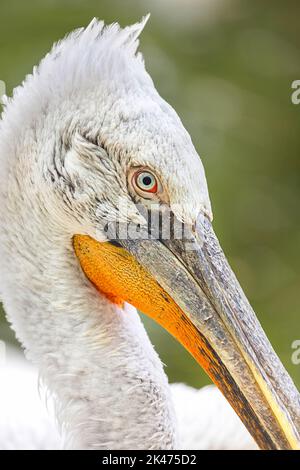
90, 156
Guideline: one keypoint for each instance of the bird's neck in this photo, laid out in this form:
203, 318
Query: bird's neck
107, 381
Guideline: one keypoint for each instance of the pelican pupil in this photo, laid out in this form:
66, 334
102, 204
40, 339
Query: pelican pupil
147, 180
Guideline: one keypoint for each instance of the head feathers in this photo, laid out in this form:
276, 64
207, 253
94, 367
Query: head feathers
80, 61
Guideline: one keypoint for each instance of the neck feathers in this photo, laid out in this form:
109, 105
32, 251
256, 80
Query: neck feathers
95, 358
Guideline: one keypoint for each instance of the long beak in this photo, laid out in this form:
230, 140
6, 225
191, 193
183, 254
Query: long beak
210, 315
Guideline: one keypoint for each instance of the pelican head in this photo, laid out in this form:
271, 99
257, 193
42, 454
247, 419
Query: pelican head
99, 175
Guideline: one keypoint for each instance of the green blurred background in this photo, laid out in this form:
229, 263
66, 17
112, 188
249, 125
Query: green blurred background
227, 68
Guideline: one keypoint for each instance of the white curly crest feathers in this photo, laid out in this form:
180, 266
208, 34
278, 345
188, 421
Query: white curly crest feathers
85, 55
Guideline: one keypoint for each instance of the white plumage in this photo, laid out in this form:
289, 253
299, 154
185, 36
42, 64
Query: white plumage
104, 379
205, 419
26, 422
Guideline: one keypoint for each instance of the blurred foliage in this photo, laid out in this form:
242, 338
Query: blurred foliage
227, 68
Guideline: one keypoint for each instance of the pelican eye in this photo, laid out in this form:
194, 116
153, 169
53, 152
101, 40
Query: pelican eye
146, 181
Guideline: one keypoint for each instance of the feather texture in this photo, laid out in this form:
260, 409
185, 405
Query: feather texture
68, 135
205, 420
